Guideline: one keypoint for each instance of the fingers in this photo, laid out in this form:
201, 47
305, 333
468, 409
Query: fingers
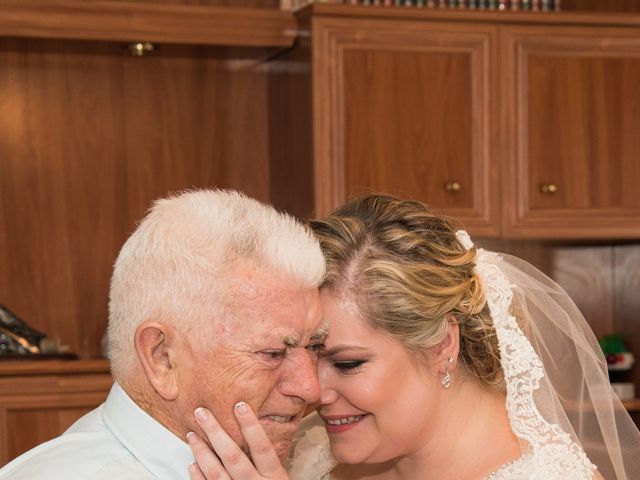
236, 463
208, 465
195, 473
263, 454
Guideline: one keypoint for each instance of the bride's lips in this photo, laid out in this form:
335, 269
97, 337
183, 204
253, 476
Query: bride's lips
342, 423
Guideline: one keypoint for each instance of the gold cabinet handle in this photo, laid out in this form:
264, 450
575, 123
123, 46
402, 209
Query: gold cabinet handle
453, 187
140, 49
549, 188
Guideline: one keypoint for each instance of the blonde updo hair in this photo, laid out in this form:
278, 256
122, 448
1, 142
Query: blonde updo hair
409, 275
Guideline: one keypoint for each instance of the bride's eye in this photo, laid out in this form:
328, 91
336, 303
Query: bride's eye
348, 366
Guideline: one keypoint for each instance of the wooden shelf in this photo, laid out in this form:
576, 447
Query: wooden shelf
632, 405
126, 21
491, 16
11, 368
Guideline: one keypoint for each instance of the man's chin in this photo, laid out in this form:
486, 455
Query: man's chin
280, 435
282, 449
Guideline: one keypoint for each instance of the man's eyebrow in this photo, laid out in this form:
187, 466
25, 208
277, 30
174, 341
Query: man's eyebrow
321, 333
319, 336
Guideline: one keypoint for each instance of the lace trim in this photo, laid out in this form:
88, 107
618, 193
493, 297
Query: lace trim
554, 454
514, 470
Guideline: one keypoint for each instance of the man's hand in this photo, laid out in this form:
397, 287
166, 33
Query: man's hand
229, 462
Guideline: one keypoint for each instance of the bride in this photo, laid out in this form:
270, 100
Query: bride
443, 361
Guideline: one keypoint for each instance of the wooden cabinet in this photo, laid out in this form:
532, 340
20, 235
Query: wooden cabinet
572, 109
406, 108
40, 399
516, 124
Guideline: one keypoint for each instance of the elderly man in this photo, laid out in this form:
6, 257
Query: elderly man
213, 301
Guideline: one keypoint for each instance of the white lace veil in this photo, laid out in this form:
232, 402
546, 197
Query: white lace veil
559, 399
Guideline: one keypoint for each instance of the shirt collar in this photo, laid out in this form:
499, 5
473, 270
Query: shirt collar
158, 449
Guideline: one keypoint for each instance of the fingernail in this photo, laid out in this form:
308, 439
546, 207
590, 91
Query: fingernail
200, 413
191, 438
242, 408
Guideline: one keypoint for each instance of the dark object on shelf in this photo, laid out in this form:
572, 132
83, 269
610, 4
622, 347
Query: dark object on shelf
16, 336
18, 339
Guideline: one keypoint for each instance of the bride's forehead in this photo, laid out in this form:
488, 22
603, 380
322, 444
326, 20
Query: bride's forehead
342, 301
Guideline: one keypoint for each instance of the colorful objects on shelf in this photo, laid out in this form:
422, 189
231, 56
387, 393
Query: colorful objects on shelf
619, 358
526, 5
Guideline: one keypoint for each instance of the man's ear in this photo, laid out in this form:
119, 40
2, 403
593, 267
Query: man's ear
449, 347
156, 345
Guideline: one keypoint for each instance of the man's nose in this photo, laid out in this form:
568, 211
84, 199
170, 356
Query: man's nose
300, 379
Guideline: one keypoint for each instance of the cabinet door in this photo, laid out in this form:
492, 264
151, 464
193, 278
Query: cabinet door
37, 408
573, 121
406, 108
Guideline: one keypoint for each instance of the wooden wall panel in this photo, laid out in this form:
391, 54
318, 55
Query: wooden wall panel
89, 137
537, 253
290, 132
586, 273
599, 278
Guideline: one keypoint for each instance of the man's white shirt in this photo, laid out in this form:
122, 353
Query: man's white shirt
117, 440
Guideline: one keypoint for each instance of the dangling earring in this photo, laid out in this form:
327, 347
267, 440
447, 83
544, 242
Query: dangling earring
446, 380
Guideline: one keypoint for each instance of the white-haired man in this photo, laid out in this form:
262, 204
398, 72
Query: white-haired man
213, 301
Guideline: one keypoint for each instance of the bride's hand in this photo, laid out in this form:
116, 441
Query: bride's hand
227, 461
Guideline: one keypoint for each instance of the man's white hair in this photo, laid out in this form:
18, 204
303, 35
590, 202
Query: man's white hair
170, 268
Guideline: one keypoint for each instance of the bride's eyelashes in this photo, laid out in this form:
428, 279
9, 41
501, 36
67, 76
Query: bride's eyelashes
348, 366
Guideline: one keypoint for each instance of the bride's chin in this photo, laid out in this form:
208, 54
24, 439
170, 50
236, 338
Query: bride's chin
346, 454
